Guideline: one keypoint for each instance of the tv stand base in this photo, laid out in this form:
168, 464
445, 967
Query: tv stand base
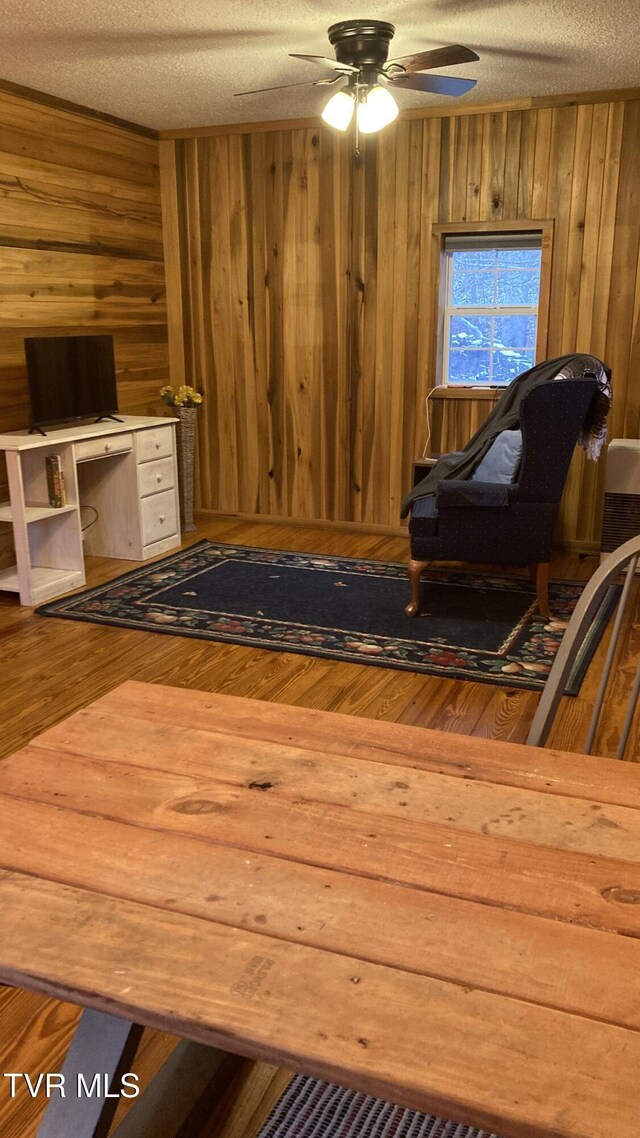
126, 471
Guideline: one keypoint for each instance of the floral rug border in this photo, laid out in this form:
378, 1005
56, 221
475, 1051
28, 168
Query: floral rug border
140, 590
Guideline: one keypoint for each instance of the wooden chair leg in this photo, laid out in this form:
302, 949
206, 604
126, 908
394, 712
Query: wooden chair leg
416, 569
542, 587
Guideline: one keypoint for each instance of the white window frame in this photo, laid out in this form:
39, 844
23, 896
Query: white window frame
480, 241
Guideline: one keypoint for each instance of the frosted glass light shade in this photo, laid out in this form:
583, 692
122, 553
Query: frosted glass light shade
378, 109
339, 110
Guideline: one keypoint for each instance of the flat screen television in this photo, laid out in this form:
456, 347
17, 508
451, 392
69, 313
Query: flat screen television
70, 377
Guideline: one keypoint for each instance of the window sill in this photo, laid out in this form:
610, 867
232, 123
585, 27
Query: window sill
467, 392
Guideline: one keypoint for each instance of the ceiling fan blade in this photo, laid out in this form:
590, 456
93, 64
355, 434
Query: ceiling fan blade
437, 84
281, 86
438, 57
324, 61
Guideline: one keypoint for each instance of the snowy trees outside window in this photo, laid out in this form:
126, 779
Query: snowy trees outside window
492, 285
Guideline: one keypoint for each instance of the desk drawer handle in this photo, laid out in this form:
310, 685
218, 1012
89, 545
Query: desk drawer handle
158, 478
157, 446
162, 516
107, 446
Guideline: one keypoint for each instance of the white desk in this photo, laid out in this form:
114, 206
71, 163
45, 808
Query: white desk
126, 471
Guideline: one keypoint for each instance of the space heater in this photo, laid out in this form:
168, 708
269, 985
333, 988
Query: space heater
621, 519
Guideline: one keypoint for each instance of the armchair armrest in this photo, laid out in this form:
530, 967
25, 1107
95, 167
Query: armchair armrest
458, 493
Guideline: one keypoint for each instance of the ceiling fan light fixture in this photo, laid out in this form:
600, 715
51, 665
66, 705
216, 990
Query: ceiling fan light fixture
339, 110
377, 110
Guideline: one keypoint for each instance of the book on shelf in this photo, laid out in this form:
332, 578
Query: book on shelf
55, 481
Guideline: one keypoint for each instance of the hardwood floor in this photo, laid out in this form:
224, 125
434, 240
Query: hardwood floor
53, 667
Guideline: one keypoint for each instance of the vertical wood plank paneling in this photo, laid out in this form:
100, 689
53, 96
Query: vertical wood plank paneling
355, 308
606, 232
274, 211
414, 382
595, 165
474, 168
320, 306
447, 149
173, 263
219, 403
243, 355
558, 206
570, 506
493, 165
320, 472
208, 450
402, 284
626, 245
576, 227
334, 217
427, 330
542, 171
460, 164
512, 149
528, 132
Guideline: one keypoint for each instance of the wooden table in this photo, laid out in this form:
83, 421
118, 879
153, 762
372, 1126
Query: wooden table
447, 922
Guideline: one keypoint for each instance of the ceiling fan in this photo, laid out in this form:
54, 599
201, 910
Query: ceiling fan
361, 48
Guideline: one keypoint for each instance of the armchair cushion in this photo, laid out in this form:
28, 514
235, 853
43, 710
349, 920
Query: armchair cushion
458, 493
501, 462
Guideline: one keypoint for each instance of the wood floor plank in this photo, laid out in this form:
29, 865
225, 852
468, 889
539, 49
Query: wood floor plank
419, 1039
31, 1023
545, 961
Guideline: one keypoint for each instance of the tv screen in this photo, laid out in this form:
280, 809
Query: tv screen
70, 377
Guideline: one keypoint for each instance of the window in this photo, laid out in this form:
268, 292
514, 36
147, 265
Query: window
491, 292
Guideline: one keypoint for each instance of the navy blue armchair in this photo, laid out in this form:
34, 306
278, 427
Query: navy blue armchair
513, 522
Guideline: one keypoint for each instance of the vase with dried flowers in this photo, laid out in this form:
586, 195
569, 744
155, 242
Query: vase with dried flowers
185, 401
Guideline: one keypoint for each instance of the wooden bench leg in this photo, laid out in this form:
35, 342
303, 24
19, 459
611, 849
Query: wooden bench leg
416, 569
542, 587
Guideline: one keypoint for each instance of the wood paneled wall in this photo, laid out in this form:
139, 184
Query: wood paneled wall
81, 249
302, 282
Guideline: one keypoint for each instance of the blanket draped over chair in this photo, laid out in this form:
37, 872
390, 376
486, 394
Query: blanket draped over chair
497, 500
506, 413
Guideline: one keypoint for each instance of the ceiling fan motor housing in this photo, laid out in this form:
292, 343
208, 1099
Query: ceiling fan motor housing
361, 43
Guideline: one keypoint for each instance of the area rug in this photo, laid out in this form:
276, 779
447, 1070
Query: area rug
472, 627
311, 1108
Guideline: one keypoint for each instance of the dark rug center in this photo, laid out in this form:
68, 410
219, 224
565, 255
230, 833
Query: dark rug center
475, 615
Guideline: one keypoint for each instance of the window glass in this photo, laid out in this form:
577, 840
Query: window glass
517, 286
472, 331
510, 363
469, 366
519, 258
474, 259
513, 331
491, 308
473, 288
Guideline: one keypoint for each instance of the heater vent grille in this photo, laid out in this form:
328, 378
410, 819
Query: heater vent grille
621, 520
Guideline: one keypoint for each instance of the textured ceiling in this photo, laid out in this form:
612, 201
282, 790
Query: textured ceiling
168, 65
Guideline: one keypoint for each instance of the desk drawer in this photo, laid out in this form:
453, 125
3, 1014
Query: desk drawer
159, 516
155, 476
157, 443
107, 444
